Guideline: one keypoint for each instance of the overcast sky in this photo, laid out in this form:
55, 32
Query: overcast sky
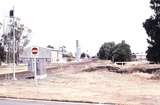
92, 22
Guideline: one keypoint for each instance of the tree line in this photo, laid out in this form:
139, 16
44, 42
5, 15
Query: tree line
121, 52
115, 52
152, 28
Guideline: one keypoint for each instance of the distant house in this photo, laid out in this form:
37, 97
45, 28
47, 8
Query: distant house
56, 56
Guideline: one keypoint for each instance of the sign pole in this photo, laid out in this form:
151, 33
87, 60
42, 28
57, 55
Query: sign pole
34, 54
35, 68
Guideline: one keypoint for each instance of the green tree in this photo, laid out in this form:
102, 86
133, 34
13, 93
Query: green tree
111, 51
83, 55
152, 27
2, 54
22, 39
121, 52
106, 50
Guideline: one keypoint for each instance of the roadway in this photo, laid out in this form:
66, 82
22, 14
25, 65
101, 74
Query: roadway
37, 102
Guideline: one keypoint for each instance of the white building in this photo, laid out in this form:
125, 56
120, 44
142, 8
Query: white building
140, 56
50, 55
56, 56
43, 53
42, 58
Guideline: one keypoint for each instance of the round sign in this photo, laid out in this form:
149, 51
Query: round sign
34, 50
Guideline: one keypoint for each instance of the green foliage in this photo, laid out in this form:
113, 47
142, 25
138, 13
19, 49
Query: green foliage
119, 52
2, 54
22, 39
152, 27
106, 50
83, 55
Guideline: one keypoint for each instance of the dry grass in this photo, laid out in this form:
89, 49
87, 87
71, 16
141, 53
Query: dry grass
6, 69
98, 86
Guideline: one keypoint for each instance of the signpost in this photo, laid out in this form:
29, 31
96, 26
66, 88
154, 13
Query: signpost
34, 53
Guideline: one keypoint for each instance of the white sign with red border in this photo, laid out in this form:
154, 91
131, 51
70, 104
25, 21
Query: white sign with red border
35, 51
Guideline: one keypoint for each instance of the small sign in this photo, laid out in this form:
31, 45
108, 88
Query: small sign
34, 50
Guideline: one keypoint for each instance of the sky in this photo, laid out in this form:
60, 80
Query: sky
92, 22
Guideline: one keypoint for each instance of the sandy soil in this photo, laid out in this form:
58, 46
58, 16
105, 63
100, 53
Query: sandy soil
70, 83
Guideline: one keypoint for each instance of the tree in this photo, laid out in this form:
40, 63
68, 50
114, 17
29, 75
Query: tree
121, 52
152, 28
111, 51
83, 55
2, 54
22, 38
106, 50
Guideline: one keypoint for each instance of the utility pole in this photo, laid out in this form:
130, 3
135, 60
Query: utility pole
13, 19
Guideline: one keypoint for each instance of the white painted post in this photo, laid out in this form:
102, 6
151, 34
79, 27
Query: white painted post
35, 68
14, 46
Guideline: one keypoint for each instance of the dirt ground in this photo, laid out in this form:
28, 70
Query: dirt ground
6, 69
72, 83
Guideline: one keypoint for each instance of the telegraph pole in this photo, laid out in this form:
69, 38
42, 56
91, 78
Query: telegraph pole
13, 19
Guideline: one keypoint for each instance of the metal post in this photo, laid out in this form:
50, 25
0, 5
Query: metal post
35, 69
14, 66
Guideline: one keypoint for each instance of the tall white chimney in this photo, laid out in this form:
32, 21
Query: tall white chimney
78, 51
